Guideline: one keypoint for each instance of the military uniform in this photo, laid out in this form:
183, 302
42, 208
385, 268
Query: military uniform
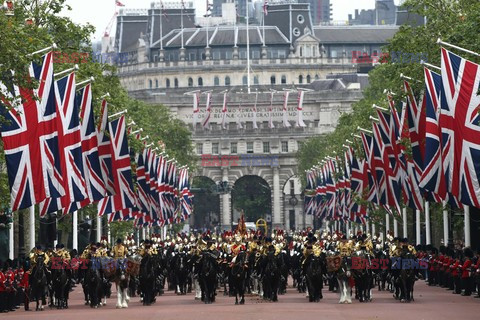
119, 251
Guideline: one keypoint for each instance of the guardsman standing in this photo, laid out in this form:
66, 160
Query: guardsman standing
467, 264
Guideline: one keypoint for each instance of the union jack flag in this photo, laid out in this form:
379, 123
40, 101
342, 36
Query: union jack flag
186, 201
359, 184
459, 120
30, 138
105, 150
367, 143
124, 200
91, 162
70, 142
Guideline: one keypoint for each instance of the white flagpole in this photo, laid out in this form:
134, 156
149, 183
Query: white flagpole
99, 228
31, 226
427, 223
143, 233
466, 217
387, 223
161, 26
439, 41
405, 229
248, 54
75, 230
395, 227
373, 228
418, 235
445, 224
11, 239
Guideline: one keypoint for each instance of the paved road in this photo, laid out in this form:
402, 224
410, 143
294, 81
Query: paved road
430, 303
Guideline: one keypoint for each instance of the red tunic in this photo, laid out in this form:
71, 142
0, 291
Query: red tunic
455, 268
466, 265
2, 282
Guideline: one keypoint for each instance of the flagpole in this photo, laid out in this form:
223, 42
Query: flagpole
405, 229
10, 240
395, 227
181, 22
445, 223
417, 218
161, 26
439, 41
427, 223
31, 226
248, 54
387, 223
99, 228
466, 215
75, 230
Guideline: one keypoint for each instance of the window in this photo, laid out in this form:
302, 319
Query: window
228, 55
296, 32
192, 56
284, 79
176, 83
215, 148
244, 80
266, 147
292, 187
300, 19
156, 83
216, 81
309, 79
317, 77
200, 82
284, 146
199, 148
216, 55
167, 83
272, 79
249, 147
300, 79
282, 54
299, 144
233, 147
150, 84
227, 80
301, 51
255, 54
190, 82
255, 80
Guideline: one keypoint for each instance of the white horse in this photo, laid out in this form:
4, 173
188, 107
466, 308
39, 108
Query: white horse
121, 282
343, 276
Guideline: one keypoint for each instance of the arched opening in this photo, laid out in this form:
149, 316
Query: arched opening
167, 83
156, 83
273, 79
227, 80
206, 212
200, 82
190, 82
309, 79
284, 79
300, 79
255, 80
216, 81
252, 195
176, 83
150, 84
244, 80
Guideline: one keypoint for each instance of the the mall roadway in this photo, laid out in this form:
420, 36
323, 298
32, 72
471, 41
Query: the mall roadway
430, 303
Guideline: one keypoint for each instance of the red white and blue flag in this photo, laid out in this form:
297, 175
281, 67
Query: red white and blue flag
30, 138
105, 149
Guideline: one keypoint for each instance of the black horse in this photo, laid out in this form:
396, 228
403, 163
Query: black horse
208, 277
314, 266
61, 287
38, 283
271, 277
181, 273
93, 285
362, 273
147, 280
238, 277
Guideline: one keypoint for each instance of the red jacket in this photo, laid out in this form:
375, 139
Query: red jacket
2, 282
455, 268
466, 265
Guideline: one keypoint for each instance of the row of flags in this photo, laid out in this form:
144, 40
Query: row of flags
59, 159
442, 163
224, 111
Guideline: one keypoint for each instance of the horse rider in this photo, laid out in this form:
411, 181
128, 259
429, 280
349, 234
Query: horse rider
38, 252
119, 251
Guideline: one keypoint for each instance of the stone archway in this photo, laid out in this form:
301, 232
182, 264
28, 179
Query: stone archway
206, 209
253, 195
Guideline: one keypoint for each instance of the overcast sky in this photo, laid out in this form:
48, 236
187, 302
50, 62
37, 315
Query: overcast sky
99, 12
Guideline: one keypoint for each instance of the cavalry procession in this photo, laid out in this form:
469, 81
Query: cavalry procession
236, 264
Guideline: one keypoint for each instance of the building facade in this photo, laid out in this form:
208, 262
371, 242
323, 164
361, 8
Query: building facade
261, 134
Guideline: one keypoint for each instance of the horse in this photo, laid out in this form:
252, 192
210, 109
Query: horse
363, 276
284, 266
238, 277
61, 287
344, 275
122, 280
407, 276
208, 277
147, 280
314, 267
181, 273
38, 283
271, 277
94, 284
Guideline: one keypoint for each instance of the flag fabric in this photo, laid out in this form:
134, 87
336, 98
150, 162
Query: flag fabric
459, 120
224, 111
300, 122
270, 112
265, 7
70, 144
124, 200
196, 109
105, 149
91, 162
30, 138
239, 118
367, 142
208, 111
186, 200
286, 123
119, 4
255, 126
